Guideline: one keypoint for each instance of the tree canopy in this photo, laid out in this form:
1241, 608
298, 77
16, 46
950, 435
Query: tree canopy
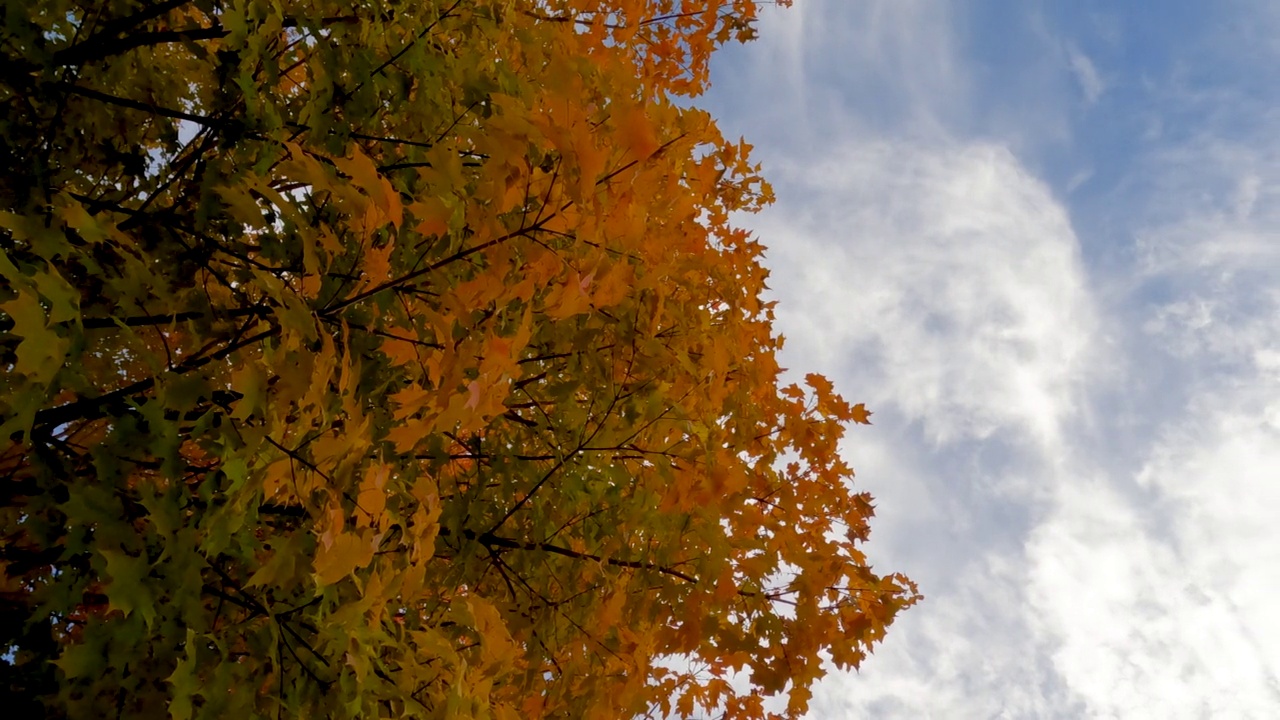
400, 359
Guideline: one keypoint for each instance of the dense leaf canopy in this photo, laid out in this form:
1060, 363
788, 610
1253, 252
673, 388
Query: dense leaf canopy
399, 358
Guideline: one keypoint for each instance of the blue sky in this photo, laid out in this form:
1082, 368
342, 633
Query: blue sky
1042, 241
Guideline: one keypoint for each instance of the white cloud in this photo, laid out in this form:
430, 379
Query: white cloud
1160, 599
1086, 74
971, 655
941, 284
1078, 179
1211, 204
944, 281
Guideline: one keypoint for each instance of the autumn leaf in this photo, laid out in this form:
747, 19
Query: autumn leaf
339, 557
637, 133
861, 414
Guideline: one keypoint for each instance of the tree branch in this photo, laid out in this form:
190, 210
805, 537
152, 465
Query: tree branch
489, 540
93, 408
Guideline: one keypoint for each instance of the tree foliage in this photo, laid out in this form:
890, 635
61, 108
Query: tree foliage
399, 358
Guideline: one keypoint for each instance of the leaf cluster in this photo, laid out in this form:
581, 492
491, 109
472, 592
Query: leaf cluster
387, 359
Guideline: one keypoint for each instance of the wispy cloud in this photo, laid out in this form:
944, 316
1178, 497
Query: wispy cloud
1156, 575
938, 280
816, 59
1091, 83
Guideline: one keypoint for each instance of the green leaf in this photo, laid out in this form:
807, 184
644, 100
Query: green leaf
87, 659
129, 587
184, 680
42, 350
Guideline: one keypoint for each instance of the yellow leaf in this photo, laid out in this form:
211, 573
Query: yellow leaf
277, 476
250, 381
407, 435
570, 298
242, 206
360, 168
364, 174
373, 495
819, 383
399, 351
409, 401
496, 645
377, 263
347, 552
611, 612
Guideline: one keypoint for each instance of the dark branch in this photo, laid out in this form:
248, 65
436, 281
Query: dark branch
489, 540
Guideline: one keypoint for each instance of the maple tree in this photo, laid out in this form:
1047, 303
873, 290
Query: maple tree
369, 359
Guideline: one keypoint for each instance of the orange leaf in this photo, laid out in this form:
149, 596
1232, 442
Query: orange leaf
433, 216
636, 132
861, 414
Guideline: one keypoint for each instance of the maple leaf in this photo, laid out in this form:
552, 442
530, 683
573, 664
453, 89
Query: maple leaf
128, 589
860, 414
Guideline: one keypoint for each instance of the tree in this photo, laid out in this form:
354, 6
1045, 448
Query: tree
389, 358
